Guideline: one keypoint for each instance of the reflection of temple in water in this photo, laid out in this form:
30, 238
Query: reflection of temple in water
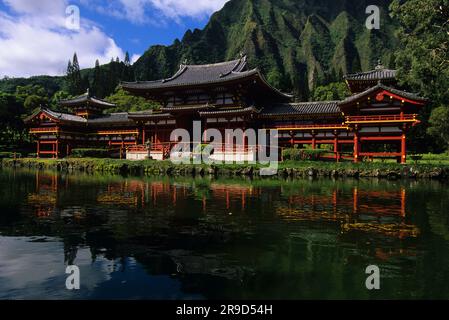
44, 199
339, 205
346, 204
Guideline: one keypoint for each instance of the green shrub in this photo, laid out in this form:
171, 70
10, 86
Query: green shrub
302, 154
10, 155
90, 153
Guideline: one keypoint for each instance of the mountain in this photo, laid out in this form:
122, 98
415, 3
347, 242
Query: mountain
298, 44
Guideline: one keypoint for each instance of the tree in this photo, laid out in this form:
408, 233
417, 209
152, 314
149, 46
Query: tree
423, 59
56, 98
31, 97
439, 125
32, 102
332, 91
12, 131
127, 60
98, 82
74, 81
129, 103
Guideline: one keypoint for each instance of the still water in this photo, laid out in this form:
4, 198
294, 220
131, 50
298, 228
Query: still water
157, 238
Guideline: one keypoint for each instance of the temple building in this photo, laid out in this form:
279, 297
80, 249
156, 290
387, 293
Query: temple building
372, 122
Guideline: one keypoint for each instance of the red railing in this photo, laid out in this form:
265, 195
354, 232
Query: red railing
167, 147
44, 129
380, 118
311, 126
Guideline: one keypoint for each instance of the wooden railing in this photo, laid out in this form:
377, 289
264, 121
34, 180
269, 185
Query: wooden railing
382, 118
310, 126
117, 132
45, 130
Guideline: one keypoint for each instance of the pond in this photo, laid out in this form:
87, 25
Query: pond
164, 238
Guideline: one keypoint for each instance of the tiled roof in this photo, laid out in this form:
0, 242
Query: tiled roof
197, 74
228, 112
187, 108
148, 115
64, 116
113, 118
380, 86
84, 100
380, 73
302, 108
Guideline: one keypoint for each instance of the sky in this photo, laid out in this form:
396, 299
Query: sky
38, 37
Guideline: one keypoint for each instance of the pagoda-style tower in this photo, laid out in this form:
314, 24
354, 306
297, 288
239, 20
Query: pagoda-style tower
86, 105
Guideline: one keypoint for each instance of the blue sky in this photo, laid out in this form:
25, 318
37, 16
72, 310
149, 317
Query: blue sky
39, 36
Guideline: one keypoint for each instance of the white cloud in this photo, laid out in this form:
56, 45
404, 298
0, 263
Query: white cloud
146, 11
34, 40
135, 57
185, 8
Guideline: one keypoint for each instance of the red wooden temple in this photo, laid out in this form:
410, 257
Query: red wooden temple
372, 122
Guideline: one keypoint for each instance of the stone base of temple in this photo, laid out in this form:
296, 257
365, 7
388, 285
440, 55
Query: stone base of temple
144, 155
137, 155
234, 156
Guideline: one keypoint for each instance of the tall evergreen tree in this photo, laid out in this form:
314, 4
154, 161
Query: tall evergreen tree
127, 60
98, 82
74, 80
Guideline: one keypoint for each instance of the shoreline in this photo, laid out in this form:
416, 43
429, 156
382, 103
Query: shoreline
290, 169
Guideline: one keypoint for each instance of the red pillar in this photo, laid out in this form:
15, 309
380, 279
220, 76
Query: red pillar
337, 156
143, 135
38, 151
356, 147
57, 149
403, 148
313, 141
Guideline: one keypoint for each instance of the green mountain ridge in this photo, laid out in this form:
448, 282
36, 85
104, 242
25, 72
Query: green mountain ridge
297, 44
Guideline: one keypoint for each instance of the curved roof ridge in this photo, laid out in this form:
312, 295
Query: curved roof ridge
217, 64
383, 73
378, 86
182, 69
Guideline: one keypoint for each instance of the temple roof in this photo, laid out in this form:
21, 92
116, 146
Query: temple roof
361, 81
113, 118
208, 74
227, 112
403, 94
149, 114
196, 74
197, 107
58, 116
84, 100
302, 108
379, 73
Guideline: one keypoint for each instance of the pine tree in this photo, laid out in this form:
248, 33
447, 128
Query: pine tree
127, 60
74, 81
127, 71
98, 83
77, 81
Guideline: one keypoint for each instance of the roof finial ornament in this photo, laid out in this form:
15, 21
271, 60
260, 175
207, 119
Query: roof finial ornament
379, 65
87, 92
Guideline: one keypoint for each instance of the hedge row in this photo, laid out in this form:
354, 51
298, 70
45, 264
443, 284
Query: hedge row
302, 154
90, 153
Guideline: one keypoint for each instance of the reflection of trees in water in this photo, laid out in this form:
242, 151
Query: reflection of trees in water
280, 237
